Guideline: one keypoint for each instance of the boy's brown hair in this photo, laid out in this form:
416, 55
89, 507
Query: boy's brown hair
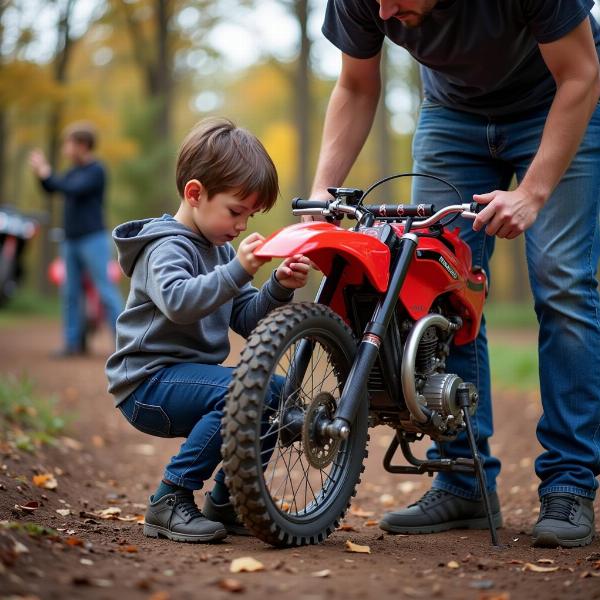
82, 132
226, 158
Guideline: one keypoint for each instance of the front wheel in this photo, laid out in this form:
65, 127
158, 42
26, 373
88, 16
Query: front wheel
289, 482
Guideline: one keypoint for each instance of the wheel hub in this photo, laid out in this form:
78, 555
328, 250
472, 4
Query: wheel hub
319, 448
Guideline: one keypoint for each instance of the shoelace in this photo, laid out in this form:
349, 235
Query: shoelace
557, 507
188, 508
430, 496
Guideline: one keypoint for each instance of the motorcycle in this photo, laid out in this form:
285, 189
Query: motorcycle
16, 230
398, 290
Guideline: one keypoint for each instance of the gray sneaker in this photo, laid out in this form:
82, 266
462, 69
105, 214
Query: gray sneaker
565, 520
223, 513
438, 510
176, 517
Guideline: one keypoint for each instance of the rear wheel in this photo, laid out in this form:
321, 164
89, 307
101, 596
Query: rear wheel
289, 482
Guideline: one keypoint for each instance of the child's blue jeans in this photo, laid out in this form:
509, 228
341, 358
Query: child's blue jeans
187, 400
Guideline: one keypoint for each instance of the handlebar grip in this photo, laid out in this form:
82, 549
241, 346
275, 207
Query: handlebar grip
401, 210
300, 203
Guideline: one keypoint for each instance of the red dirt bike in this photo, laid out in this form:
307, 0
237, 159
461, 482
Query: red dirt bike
398, 290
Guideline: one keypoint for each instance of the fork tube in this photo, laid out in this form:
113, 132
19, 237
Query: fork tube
356, 384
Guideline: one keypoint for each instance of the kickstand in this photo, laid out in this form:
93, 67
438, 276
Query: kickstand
464, 402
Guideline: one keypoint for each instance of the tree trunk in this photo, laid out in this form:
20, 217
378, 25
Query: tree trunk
302, 100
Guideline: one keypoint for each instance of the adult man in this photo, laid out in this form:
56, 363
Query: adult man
510, 87
86, 247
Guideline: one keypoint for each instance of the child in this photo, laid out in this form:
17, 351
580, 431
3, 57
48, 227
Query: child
188, 286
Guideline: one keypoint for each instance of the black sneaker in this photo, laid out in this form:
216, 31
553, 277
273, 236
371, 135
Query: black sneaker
565, 520
438, 510
223, 513
176, 517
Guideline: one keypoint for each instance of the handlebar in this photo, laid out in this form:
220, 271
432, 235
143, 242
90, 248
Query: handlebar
425, 214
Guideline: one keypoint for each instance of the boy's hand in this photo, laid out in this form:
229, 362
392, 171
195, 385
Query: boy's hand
39, 164
293, 272
245, 253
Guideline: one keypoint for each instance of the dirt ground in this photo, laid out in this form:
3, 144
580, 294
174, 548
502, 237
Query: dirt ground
105, 463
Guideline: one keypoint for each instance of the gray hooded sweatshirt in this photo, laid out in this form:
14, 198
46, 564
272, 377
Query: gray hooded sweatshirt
185, 295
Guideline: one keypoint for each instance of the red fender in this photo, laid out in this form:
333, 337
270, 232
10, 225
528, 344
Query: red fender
321, 242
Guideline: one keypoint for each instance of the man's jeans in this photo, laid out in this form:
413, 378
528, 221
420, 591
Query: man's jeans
87, 254
187, 400
479, 155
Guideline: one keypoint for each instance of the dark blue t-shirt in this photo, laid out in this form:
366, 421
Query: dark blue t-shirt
480, 56
83, 190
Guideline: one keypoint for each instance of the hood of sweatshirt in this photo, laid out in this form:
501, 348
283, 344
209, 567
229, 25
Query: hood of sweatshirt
131, 238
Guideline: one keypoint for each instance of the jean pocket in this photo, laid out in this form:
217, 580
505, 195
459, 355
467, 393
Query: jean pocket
152, 419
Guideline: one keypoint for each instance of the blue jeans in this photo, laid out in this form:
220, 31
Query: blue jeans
87, 254
480, 154
187, 400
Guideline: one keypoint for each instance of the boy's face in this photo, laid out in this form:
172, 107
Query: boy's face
73, 150
222, 218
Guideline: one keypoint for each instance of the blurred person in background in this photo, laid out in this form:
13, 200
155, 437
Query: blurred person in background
86, 246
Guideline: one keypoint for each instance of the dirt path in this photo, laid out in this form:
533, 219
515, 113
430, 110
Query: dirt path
106, 463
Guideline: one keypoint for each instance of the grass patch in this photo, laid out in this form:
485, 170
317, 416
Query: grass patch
508, 315
27, 420
31, 529
27, 303
514, 366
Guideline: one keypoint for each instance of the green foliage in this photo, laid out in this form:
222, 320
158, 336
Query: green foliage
27, 420
514, 366
31, 529
504, 315
27, 303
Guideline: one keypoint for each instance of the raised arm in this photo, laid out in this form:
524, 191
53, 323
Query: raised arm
348, 120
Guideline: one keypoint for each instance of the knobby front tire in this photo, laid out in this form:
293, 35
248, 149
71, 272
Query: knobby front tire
297, 493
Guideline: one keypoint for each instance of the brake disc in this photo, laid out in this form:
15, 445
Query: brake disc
319, 449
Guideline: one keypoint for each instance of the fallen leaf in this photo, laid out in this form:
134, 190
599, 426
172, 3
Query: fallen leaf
323, 573
72, 444
74, 541
86, 561
230, 585
370, 523
406, 487
46, 481
387, 500
359, 512
346, 527
63, 512
109, 513
494, 596
130, 549
245, 564
160, 596
351, 547
538, 569
98, 441
545, 561
453, 565
28, 506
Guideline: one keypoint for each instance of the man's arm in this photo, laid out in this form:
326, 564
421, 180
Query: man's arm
348, 120
573, 62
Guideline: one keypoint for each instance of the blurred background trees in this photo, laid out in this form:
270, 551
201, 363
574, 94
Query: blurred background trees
146, 70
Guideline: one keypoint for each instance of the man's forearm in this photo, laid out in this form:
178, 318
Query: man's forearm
567, 121
348, 121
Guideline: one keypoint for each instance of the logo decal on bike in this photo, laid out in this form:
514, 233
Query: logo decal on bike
448, 268
372, 339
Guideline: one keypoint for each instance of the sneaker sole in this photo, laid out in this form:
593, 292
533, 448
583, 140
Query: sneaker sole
481, 523
547, 539
154, 531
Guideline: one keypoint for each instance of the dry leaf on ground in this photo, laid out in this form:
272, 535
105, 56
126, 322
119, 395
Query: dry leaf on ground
246, 564
359, 512
352, 547
28, 506
538, 569
63, 512
323, 573
230, 585
45, 480
453, 565
346, 527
